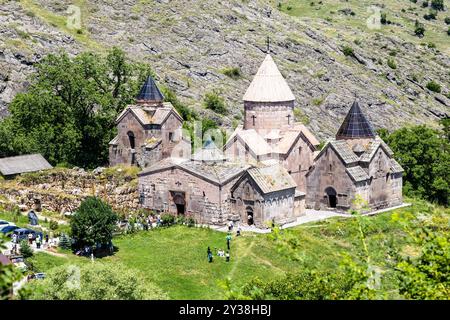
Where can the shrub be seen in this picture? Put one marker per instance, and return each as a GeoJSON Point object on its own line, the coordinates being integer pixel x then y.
{"type": "Point", "coordinates": [25, 249]}
{"type": "Point", "coordinates": [348, 51]}
{"type": "Point", "coordinates": [447, 20]}
{"type": "Point", "coordinates": [53, 225]}
{"type": "Point", "coordinates": [448, 31]}
{"type": "Point", "coordinates": [431, 15]}
{"type": "Point", "coordinates": [437, 4]}
{"type": "Point", "coordinates": [391, 63]}
{"type": "Point", "coordinates": [215, 103]}
{"type": "Point", "coordinates": [96, 282]}
{"type": "Point", "coordinates": [233, 72]}
{"type": "Point", "coordinates": [419, 29]}
{"type": "Point", "coordinates": [190, 222]}
{"type": "Point", "coordinates": [167, 219]}
{"type": "Point", "coordinates": [425, 4]}
{"type": "Point", "coordinates": [434, 86]}
{"type": "Point", "coordinates": [64, 242]}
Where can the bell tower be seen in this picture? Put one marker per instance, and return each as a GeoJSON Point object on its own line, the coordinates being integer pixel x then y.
{"type": "Point", "coordinates": [268, 101]}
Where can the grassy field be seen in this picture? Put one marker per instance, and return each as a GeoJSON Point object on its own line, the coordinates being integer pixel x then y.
{"type": "Point", "coordinates": [174, 258]}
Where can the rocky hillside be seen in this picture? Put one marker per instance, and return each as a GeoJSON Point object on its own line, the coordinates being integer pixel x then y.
{"type": "Point", "coordinates": [330, 51]}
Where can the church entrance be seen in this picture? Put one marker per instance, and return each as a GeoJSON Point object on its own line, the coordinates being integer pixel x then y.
{"type": "Point", "coordinates": [179, 201]}
{"type": "Point", "coordinates": [332, 197]}
{"type": "Point", "coordinates": [249, 211]}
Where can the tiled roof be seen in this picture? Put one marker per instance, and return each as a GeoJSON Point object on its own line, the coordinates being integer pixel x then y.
{"type": "Point", "coordinates": [114, 141]}
{"type": "Point", "coordinates": [150, 91]}
{"type": "Point", "coordinates": [357, 173]}
{"type": "Point", "coordinates": [150, 115]}
{"type": "Point", "coordinates": [395, 166]}
{"type": "Point", "coordinates": [355, 125]}
{"type": "Point", "coordinates": [344, 151]}
{"type": "Point", "coordinates": [22, 164]}
{"type": "Point", "coordinates": [272, 178]}
{"type": "Point", "coordinates": [255, 142]}
{"type": "Point", "coordinates": [268, 85]}
{"type": "Point", "coordinates": [218, 172]}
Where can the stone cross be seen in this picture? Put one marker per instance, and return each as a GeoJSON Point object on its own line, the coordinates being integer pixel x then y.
{"type": "Point", "coordinates": [289, 118]}
{"type": "Point", "coordinates": [253, 117]}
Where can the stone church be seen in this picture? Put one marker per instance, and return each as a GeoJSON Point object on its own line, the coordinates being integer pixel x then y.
{"type": "Point", "coordinates": [270, 168]}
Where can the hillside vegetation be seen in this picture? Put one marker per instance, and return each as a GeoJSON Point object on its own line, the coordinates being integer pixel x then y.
{"type": "Point", "coordinates": [326, 50]}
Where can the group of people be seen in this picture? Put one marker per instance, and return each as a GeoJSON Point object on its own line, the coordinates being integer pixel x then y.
{"type": "Point", "coordinates": [39, 241]}
{"type": "Point", "coordinates": [221, 252]}
{"type": "Point", "coordinates": [145, 223]}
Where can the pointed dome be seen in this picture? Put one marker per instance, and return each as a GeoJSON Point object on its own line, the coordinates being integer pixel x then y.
{"type": "Point", "coordinates": [150, 92]}
{"type": "Point", "coordinates": [268, 85]}
{"type": "Point", "coordinates": [355, 125]}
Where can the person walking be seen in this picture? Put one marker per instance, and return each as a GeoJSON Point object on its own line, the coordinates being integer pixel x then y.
{"type": "Point", "coordinates": [38, 242]}
{"type": "Point", "coordinates": [227, 256]}
{"type": "Point", "coordinates": [228, 240]}
{"type": "Point", "coordinates": [30, 239]}
{"type": "Point", "coordinates": [238, 232]}
{"type": "Point", "coordinates": [210, 255]}
{"type": "Point", "coordinates": [46, 238]}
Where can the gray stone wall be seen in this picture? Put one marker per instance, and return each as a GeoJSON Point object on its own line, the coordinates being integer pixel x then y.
{"type": "Point", "coordinates": [329, 171]}
{"type": "Point", "coordinates": [206, 202]}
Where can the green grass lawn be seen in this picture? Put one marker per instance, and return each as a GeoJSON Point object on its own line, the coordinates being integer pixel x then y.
{"type": "Point", "coordinates": [175, 259]}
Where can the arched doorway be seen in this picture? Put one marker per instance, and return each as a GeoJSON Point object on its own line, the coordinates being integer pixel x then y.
{"type": "Point", "coordinates": [132, 139]}
{"type": "Point", "coordinates": [180, 203]}
{"type": "Point", "coordinates": [249, 212]}
{"type": "Point", "coordinates": [332, 197]}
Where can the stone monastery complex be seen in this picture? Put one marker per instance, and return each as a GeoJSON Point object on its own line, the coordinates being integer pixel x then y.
{"type": "Point", "coordinates": [269, 169]}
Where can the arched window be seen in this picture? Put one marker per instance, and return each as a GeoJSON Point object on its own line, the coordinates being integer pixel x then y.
{"type": "Point", "coordinates": [131, 139]}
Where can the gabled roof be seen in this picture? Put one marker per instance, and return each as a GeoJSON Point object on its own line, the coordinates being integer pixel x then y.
{"type": "Point", "coordinates": [355, 125]}
{"type": "Point", "coordinates": [268, 85]}
{"type": "Point", "coordinates": [372, 149]}
{"type": "Point", "coordinates": [150, 92]}
{"type": "Point", "coordinates": [343, 151]}
{"type": "Point", "coordinates": [357, 174]}
{"type": "Point", "coordinates": [150, 115]}
{"type": "Point", "coordinates": [396, 167]}
{"type": "Point", "coordinates": [218, 173]}
{"type": "Point", "coordinates": [22, 164]}
{"type": "Point", "coordinates": [272, 178]}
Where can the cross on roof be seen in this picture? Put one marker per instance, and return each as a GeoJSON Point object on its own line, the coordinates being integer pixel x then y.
{"type": "Point", "coordinates": [289, 118]}
{"type": "Point", "coordinates": [253, 117]}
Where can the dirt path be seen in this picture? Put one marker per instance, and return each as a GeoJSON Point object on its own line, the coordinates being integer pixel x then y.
{"type": "Point", "coordinates": [246, 252]}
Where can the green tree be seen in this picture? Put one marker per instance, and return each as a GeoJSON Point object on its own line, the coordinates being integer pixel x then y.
{"type": "Point", "coordinates": [93, 223]}
{"type": "Point", "coordinates": [68, 114]}
{"type": "Point", "coordinates": [64, 242]}
{"type": "Point", "coordinates": [424, 154]}
{"type": "Point", "coordinates": [25, 249]}
{"type": "Point", "coordinates": [434, 86]}
{"type": "Point", "coordinates": [91, 282]}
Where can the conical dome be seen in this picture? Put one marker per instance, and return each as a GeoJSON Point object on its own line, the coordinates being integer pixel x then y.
{"type": "Point", "coordinates": [268, 85]}
{"type": "Point", "coordinates": [355, 125]}
{"type": "Point", "coordinates": [150, 92]}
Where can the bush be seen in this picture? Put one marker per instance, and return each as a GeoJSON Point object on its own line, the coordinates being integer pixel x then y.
{"type": "Point", "coordinates": [96, 282]}
{"type": "Point", "coordinates": [191, 222]}
{"type": "Point", "coordinates": [25, 249]}
{"type": "Point", "coordinates": [431, 15]}
{"type": "Point", "coordinates": [437, 4]}
{"type": "Point", "coordinates": [53, 225]}
{"type": "Point", "coordinates": [348, 51]}
{"type": "Point", "coordinates": [419, 29]}
{"type": "Point", "coordinates": [447, 20]}
{"type": "Point", "coordinates": [64, 242]}
{"type": "Point", "coordinates": [167, 219]}
{"type": "Point", "coordinates": [215, 103]}
{"type": "Point", "coordinates": [233, 72]}
{"type": "Point", "coordinates": [434, 86]}
{"type": "Point", "coordinates": [391, 63]}
{"type": "Point", "coordinates": [448, 31]}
